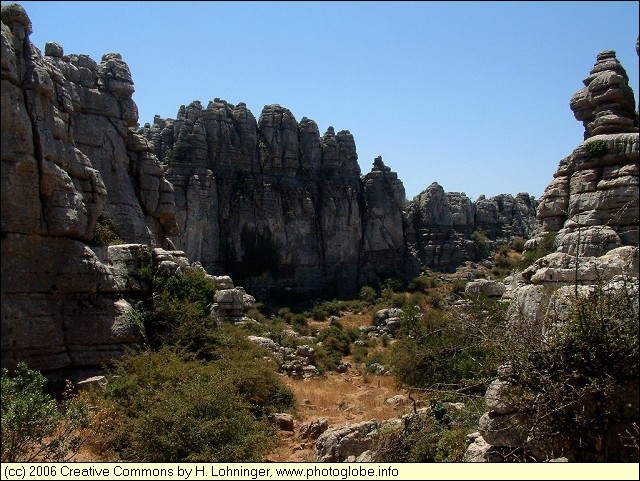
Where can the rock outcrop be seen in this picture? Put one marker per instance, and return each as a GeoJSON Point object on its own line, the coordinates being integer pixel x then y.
{"type": "Point", "coordinates": [593, 199]}
{"type": "Point", "coordinates": [593, 205]}
{"type": "Point", "coordinates": [285, 210]}
{"type": "Point", "coordinates": [278, 206]}
{"type": "Point", "coordinates": [281, 208]}
{"type": "Point", "coordinates": [440, 225]}
{"type": "Point", "coordinates": [69, 154]}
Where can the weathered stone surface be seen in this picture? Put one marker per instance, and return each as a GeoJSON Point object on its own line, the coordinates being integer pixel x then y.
{"type": "Point", "coordinates": [440, 224]}
{"type": "Point", "coordinates": [593, 200]}
{"type": "Point", "coordinates": [337, 444]}
{"type": "Point", "coordinates": [606, 104]}
{"type": "Point", "coordinates": [503, 430]}
{"type": "Point", "coordinates": [283, 421]}
{"type": "Point", "coordinates": [313, 429]}
{"type": "Point", "coordinates": [284, 210]}
{"type": "Point", "coordinates": [484, 287]}
{"type": "Point", "coordinates": [69, 153]}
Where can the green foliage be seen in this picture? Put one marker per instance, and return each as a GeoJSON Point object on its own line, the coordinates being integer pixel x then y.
{"type": "Point", "coordinates": [579, 388]}
{"type": "Point", "coordinates": [597, 148]}
{"type": "Point", "coordinates": [434, 436]}
{"type": "Point", "coordinates": [168, 407]}
{"type": "Point", "coordinates": [368, 294]}
{"type": "Point", "coordinates": [105, 232]}
{"type": "Point", "coordinates": [455, 349]}
{"type": "Point", "coordinates": [177, 312]}
{"type": "Point", "coordinates": [422, 283]}
{"type": "Point", "coordinates": [544, 247]}
{"type": "Point", "coordinates": [181, 149]}
{"type": "Point", "coordinates": [517, 244]}
{"type": "Point", "coordinates": [481, 244]}
{"type": "Point", "coordinates": [394, 284]}
{"type": "Point", "coordinates": [34, 426]}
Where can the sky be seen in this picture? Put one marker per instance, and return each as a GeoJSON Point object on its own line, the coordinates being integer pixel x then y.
{"type": "Point", "coordinates": [472, 95]}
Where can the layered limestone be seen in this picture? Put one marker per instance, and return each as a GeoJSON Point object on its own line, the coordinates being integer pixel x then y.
{"type": "Point", "coordinates": [275, 204]}
{"type": "Point", "coordinates": [285, 210]}
{"type": "Point", "coordinates": [69, 154]}
{"type": "Point", "coordinates": [592, 201]}
{"type": "Point", "coordinates": [440, 225]}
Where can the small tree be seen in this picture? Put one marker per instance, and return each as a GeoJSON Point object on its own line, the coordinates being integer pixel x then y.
{"type": "Point", "coordinates": [34, 426]}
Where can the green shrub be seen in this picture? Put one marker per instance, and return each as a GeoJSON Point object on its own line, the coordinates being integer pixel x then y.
{"type": "Point", "coordinates": [545, 246]}
{"type": "Point", "coordinates": [481, 244]}
{"type": "Point", "coordinates": [34, 426]}
{"type": "Point", "coordinates": [455, 349]}
{"type": "Point", "coordinates": [422, 284]}
{"type": "Point", "coordinates": [517, 244]}
{"type": "Point", "coordinates": [170, 408]}
{"type": "Point", "coordinates": [597, 148]}
{"type": "Point", "coordinates": [368, 294]}
{"type": "Point", "coordinates": [434, 436]}
{"type": "Point", "coordinates": [105, 232]}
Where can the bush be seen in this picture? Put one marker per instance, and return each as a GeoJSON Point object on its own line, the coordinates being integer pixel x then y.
{"type": "Point", "coordinates": [168, 407]}
{"type": "Point", "coordinates": [597, 148]}
{"type": "Point", "coordinates": [177, 311]}
{"type": "Point", "coordinates": [368, 294]}
{"type": "Point", "coordinates": [34, 427]}
{"type": "Point", "coordinates": [579, 389]}
{"type": "Point", "coordinates": [460, 350]}
{"type": "Point", "coordinates": [105, 232]}
{"type": "Point", "coordinates": [481, 244]}
{"type": "Point", "coordinates": [426, 437]}
{"type": "Point", "coordinates": [544, 247]}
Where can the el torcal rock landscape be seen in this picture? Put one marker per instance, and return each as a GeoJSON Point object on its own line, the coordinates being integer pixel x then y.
{"type": "Point", "coordinates": [314, 312]}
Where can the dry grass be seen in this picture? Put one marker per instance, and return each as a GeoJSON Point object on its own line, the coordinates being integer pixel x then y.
{"type": "Point", "coordinates": [351, 397]}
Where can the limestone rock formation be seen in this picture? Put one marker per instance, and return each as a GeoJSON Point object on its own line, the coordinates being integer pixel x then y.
{"type": "Point", "coordinates": [439, 224]}
{"type": "Point", "coordinates": [593, 198]}
{"type": "Point", "coordinates": [276, 205]}
{"type": "Point", "coordinates": [593, 205]}
{"type": "Point", "coordinates": [337, 444]}
{"type": "Point", "coordinates": [69, 154]}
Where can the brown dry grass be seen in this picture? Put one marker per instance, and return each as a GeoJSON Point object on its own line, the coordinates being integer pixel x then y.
{"type": "Point", "coordinates": [351, 397]}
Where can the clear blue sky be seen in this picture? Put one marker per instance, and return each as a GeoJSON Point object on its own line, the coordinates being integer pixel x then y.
{"type": "Point", "coordinates": [472, 95]}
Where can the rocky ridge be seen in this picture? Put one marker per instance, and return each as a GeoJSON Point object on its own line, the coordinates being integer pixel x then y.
{"type": "Point", "coordinates": [283, 209]}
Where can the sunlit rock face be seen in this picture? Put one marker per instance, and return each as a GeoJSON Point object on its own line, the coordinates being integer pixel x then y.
{"type": "Point", "coordinates": [69, 154]}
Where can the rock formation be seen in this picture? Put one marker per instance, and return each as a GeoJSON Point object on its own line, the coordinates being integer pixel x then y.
{"type": "Point", "coordinates": [271, 202]}
{"type": "Point", "coordinates": [593, 198]}
{"type": "Point", "coordinates": [440, 225]}
{"type": "Point", "coordinates": [592, 203]}
{"type": "Point", "coordinates": [69, 154]}
{"type": "Point", "coordinates": [284, 210]}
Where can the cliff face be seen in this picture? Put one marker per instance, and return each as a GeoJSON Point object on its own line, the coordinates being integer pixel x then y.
{"type": "Point", "coordinates": [69, 153]}
{"type": "Point", "coordinates": [280, 207]}
{"type": "Point", "coordinates": [283, 209]}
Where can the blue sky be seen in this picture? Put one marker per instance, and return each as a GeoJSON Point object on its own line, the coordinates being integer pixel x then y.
{"type": "Point", "coordinates": [472, 95]}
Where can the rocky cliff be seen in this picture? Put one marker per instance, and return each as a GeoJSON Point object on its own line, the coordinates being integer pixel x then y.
{"type": "Point", "coordinates": [283, 209]}
{"type": "Point", "coordinates": [592, 201]}
{"type": "Point", "coordinates": [69, 154]}
{"type": "Point", "coordinates": [592, 204]}
{"type": "Point", "coordinates": [440, 225]}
